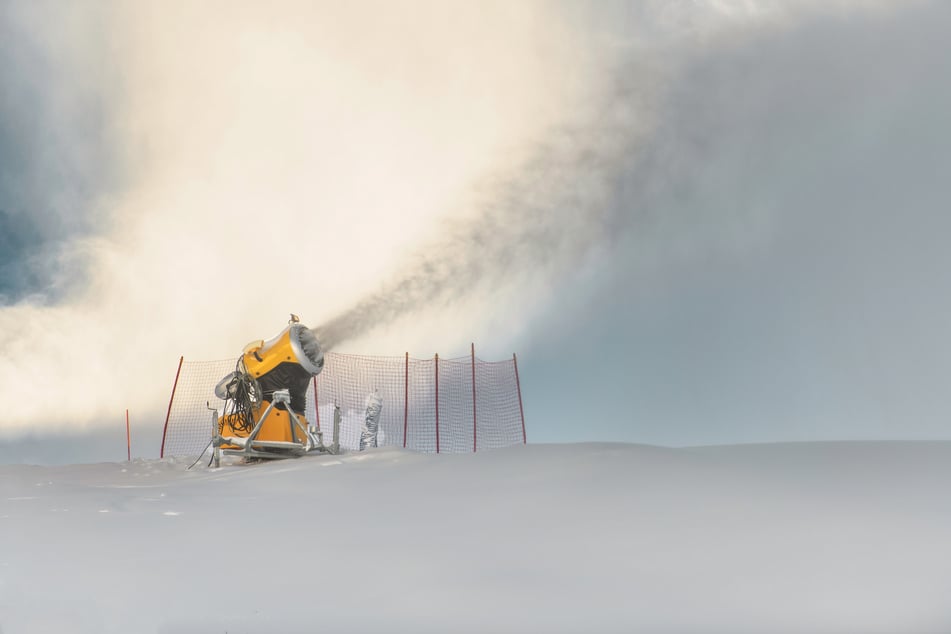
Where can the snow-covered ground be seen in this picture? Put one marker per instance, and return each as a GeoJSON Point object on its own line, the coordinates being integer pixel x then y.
{"type": "Point", "coordinates": [818, 537]}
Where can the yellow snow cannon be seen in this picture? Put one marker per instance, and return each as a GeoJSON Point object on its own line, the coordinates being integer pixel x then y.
{"type": "Point", "coordinates": [265, 398]}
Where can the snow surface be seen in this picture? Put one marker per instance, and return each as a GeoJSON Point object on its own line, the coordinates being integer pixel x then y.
{"type": "Point", "coordinates": [816, 537]}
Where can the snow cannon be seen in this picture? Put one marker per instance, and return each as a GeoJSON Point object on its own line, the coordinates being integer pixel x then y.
{"type": "Point", "coordinates": [266, 395]}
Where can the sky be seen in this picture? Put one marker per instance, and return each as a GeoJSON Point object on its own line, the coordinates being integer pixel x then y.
{"type": "Point", "coordinates": [703, 222]}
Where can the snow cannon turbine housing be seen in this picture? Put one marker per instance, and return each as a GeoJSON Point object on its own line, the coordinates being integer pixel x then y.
{"type": "Point", "coordinates": [288, 361]}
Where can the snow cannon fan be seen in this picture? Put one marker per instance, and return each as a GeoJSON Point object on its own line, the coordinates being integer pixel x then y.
{"type": "Point", "coordinates": [266, 395]}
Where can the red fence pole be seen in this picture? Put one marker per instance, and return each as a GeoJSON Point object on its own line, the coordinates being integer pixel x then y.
{"type": "Point", "coordinates": [473, 401]}
{"type": "Point", "coordinates": [437, 402]}
{"type": "Point", "coordinates": [170, 400]}
{"type": "Point", "coordinates": [521, 411]}
{"type": "Point", "coordinates": [406, 401]}
{"type": "Point", "coordinates": [316, 406]}
{"type": "Point", "coordinates": [128, 437]}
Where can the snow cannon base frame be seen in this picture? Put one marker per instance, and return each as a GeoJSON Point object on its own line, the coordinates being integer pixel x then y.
{"type": "Point", "coordinates": [303, 438]}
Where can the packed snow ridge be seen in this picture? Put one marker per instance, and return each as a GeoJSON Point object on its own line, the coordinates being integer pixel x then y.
{"type": "Point", "coordinates": [813, 537]}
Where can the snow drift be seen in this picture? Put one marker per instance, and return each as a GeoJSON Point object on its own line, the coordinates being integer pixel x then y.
{"type": "Point", "coordinates": [818, 537]}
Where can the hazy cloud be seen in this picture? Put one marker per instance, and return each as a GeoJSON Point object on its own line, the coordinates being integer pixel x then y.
{"type": "Point", "coordinates": [56, 149]}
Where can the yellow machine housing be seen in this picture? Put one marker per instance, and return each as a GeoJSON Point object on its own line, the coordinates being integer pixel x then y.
{"type": "Point", "coordinates": [277, 426]}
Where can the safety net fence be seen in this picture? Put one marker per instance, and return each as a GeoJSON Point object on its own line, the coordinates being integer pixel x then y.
{"type": "Point", "coordinates": [430, 405]}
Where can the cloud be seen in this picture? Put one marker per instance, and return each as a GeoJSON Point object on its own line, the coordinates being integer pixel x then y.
{"type": "Point", "coordinates": [55, 144]}
{"type": "Point", "coordinates": [791, 286]}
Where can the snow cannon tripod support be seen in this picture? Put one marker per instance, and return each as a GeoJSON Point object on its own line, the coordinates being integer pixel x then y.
{"type": "Point", "coordinates": [264, 398]}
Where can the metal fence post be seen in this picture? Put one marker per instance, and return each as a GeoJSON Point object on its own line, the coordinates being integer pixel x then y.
{"type": "Point", "coordinates": [473, 401]}
{"type": "Point", "coordinates": [170, 400]}
{"type": "Point", "coordinates": [437, 402]}
{"type": "Point", "coordinates": [521, 411]}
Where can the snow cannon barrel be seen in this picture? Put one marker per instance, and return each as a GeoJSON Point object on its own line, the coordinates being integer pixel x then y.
{"type": "Point", "coordinates": [288, 361]}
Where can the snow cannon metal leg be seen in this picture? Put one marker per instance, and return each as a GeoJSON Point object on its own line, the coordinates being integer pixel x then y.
{"type": "Point", "coordinates": [336, 446]}
{"type": "Point", "coordinates": [216, 448]}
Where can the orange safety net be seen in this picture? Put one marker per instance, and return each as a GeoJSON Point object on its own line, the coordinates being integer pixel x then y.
{"type": "Point", "coordinates": [430, 405]}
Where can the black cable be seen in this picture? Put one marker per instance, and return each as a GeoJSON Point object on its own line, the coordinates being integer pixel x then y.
{"type": "Point", "coordinates": [202, 454]}
{"type": "Point", "coordinates": [242, 393]}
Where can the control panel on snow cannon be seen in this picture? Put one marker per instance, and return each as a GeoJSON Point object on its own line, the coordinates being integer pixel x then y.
{"type": "Point", "coordinates": [265, 397]}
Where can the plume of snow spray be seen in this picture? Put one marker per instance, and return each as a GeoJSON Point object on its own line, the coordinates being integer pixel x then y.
{"type": "Point", "coordinates": [542, 216]}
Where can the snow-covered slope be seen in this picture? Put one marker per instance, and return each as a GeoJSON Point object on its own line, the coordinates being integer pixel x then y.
{"type": "Point", "coordinates": [827, 537]}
